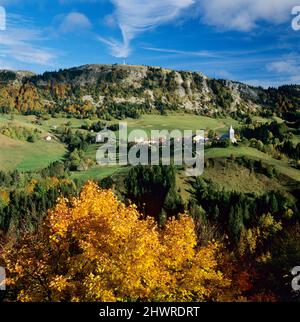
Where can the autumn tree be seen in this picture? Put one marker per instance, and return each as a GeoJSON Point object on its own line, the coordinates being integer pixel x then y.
{"type": "Point", "coordinates": [94, 248]}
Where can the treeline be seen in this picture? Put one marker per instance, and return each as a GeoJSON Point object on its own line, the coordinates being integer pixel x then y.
{"type": "Point", "coordinates": [25, 210]}
{"type": "Point", "coordinates": [7, 75]}
{"type": "Point", "coordinates": [153, 190]}
{"type": "Point", "coordinates": [272, 137]}
{"type": "Point", "coordinates": [124, 110]}
{"type": "Point", "coordinates": [266, 132]}
{"type": "Point", "coordinates": [290, 149]}
{"type": "Point", "coordinates": [77, 143]}
{"type": "Point", "coordinates": [114, 74]}
{"type": "Point", "coordinates": [237, 211]}
{"type": "Point", "coordinates": [99, 91]}
{"type": "Point", "coordinates": [20, 133]}
{"type": "Point", "coordinates": [282, 99]}
{"type": "Point", "coordinates": [75, 140]}
{"type": "Point", "coordinates": [26, 197]}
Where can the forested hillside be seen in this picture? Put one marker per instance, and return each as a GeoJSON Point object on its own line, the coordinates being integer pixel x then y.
{"type": "Point", "coordinates": [128, 91]}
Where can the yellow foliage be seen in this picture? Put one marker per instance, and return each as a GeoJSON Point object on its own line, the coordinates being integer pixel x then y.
{"type": "Point", "coordinates": [29, 98]}
{"type": "Point", "coordinates": [269, 225]}
{"type": "Point", "coordinates": [8, 95]}
{"type": "Point", "coordinates": [47, 183]}
{"type": "Point", "coordinates": [264, 258]}
{"type": "Point", "coordinates": [4, 197]}
{"type": "Point", "coordinates": [288, 214]}
{"type": "Point", "coordinates": [94, 248]}
{"type": "Point", "coordinates": [251, 238]}
{"type": "Point", "coordinates": [31, 185]}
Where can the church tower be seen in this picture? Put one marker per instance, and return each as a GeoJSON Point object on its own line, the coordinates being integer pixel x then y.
{"type": "Point", "coordinates": [231, 135]}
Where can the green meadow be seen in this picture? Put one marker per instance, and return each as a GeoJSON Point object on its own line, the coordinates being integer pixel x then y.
{"type": "Point", "coordinates": [181, 122]}
{"type": "Point", "coordinates": [98, 173]}
{"type": "Point", "coordinates": [281, 166]}
{"type": "Point", "coordinates": [25, 156]}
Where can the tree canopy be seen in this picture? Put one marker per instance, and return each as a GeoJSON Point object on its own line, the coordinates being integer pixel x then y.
{"type": "Point", "coordinates": [94, 248]}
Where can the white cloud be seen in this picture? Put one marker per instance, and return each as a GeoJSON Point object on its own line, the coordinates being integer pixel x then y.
{"type": "Point", "coordinates": [137, 16]}
{"type": "Point", "coordinates": [200, 53]}
{"type": "Point", "coordinates": [244, 15]}
{"type": "Point", "coordinates": [20, 42]}
{"type": "Point", "coordinates": [118, 49]}
{"type": "Point", "coordinates": [287, 66]}
{"type": "Point", "coordinates": [75, 21]}
{"type": "Point", "coordinates": [284, 71]}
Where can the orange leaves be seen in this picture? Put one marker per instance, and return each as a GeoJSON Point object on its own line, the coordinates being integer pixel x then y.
{"type": "Point", "coordinates": [243, 281]}
{"type": "Point", "coordinates": [94, 248]}
{"type": "Point", "coordinates": [29, 98]}
{"type": "Point", "coordinates": [8, 94]}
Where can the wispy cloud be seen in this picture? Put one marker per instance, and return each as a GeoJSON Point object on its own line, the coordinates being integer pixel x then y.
{"type": "Point", "coordinates": [20, 42]}
{"type": "Point", "coordinates": [201, 53]}
{"type": "Point", "coordinates": [284, 70]}
{"type": "Point", "coordinates": [134, 17]}
{"type": "Point", "coordinates": [137, 16]}
{"type": "Point", "coordinates": [287, 67]}
{"type": "Point", "coordinates": [118, 49]}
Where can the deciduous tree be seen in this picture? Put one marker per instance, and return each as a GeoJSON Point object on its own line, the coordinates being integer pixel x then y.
{"type": "Point", "coordinates": [94, 248]}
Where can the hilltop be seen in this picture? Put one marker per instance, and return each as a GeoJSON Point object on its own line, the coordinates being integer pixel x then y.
{"type": "Point", "coordinates": [123, 90]}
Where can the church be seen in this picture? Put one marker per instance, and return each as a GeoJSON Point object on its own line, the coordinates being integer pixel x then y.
{"type": "Point", "coordinates": [229, 135]}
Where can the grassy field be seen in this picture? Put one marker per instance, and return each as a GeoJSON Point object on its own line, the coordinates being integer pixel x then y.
{"type": "Point", "coordinates": [230, 177]}
{"type": "Point", "coordinates": [146, 122]}
{"type": "Point", "coordinates": [45, 125]}
{"type": "Point", "coordinates": [234, 177]}
{"type": "Point", "coordinates": [280, 165]}
{"type": "Point", "coordinates": [261, 119]}
{"type": "Point", "coordinates": [26, 156]}
{"type": "Point", "coordinates": [181, 122]}
{"type": "Point", "coordinates": [56, 122]}
{"type": "Point", "coordinates": [21, 121]}
{"type": "Point", "coordinates": [98, 173]}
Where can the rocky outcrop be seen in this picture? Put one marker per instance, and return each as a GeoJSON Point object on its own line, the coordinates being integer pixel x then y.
{"type": "Point", "coordinates": [153, 87]}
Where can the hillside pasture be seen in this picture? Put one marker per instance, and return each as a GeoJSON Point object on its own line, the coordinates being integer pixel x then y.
{"type": "Point", "coordinates": [281, 166]}
{"type": "Point", "coordinates": [25, 156]}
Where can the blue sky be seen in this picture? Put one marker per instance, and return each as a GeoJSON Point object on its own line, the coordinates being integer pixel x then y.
{"type": "Point", "coordinates": [246, 40]}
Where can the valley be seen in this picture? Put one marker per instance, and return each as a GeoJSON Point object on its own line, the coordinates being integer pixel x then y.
{"type": "Point", "coordinates": [246, 200]}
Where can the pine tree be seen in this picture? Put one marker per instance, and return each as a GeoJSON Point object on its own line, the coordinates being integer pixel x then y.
{"type": "Point", "coordinates": [273, 203]}
{"type": "Point", "coordinates": [215, 213]}
{"type": "Point", "coordinates": [235, 223]}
